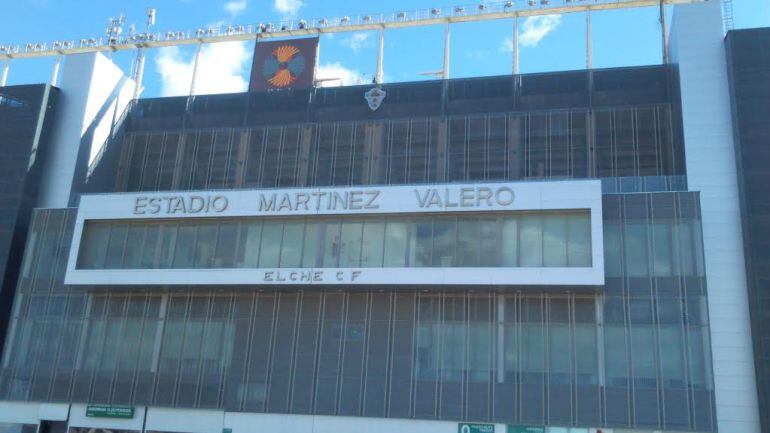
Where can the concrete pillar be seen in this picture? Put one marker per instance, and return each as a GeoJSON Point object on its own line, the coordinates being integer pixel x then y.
{"type": "Point", "coordinates": [697, 46]}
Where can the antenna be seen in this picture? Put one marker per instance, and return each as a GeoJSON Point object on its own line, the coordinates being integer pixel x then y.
{"type": "Point", "coordinates": [727, 10]}
{"type": "Point", "coordinates": [140, 53]}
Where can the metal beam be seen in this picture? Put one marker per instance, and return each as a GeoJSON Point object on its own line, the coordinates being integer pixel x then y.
{"type": "Point", "coordinates": [445, 69]}
{"type": "Point", "coordinates": [589, 47]}
{"type": "Point", "coordinates": [195, 69]}
{"type": "Point", "coordinates": [446, 15]}
{"type": "Point", "coordinates": [4, 75]}
{"type": "Point", "coordinates": [55, 73]}
{"type": "Point", "coordinates": [139, 72]}
{"type": "Point", "coordinates": [664, 32]}
{"type": "Point", "coordinates": [515, 45]}
{"type": "Point", "coordinates": [380, 49]}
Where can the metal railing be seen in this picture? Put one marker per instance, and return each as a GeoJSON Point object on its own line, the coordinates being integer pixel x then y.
{"type": "Point", "coordinates": [345, 23]}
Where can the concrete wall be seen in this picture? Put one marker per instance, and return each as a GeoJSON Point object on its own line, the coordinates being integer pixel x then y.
{"type": "Point", "coordinates": [94, 92]}
{"type": "Point", "coordinates": [697, 45]}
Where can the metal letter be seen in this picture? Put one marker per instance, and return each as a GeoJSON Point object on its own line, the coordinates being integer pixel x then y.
{"type": "Point", "coordinates": [372, 197]}
{"type": "Point", "coordinates": [138, 206]}
{"type": "Point", "coordinates": [422, 201]}
{"type": "Point", "coordinates": [266, 206]}
{"type": "Point", "coordinates": [196, 200]}
{"type": "Point", "coordinates": [224, 202]}
{"type": "Point", "coordinates": [499, 199]}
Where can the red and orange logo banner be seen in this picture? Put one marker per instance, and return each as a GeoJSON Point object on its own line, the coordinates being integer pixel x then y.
{"type": "Point", "coordinates": [287, 64]}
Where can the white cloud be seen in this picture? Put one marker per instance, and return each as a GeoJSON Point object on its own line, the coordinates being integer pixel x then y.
{"type": "Point", "coordinates": [342, 76]}
{"type": "Point", "coordinates": [235, 7]}
{"type": "Point", "coordinates": [478, 55]}
{"type": "Point", "coordinates": [533, 30]}
{"type": "Point", "coordinates": [221, 69]}
{"type": "Point", "coordinates": [288, 7]}
{"type": "Point", "coordinates": [357, 41]}
{"type": "Point", "coordinates": [507, 45]}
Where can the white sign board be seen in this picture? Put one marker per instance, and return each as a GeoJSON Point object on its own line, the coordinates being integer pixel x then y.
{"type": "Point", "coordinates": [445, 198]}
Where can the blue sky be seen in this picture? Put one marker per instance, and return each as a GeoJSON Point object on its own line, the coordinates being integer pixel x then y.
{"type": "Point", "coordinates": [620, 38]}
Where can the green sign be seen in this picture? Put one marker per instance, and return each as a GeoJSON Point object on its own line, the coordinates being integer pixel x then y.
{"type": "Point", "coordinates": [109, 411]}
{"type": "Point", "coordinates": [525, 429]}
{"type": "Point", "coordinates": [227, 430]}
{"type": "Point", "coordinates": [475, 428]}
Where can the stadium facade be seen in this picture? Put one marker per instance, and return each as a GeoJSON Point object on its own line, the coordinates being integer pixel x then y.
{"type": "Point", "coordinates": [568, 252]}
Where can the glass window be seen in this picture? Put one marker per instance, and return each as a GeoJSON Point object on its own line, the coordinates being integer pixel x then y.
{"type": "Point", "coordinates": [615, 359]}
{"type": "Point", "coordinates": [686, 249]}
{"type": "Point", "coordinates": [227, 241]}
{"type": "Point", "coordinates": [554, 241]}
{"type": "Point", "coordinates": [396, 234]}
{"type": "Point", "coordinates": [699, 355]}
{"type": "Point", "coordinates": [672, 355]}
{"type": "Point", "coordinates": [531, 238]}
{"type": "Point", "coordinates": [579, 241]}
{"type": "Point", "coordinates": [466, 240]}
{"type": "Point", "coordinates": [444, 234]}
{"type": "Point", "coordinates": [132, 258]}
{"type": "Point", "coordinates": [269, 252]}
{"type": "Point", "coordinates": [310, 249]}
{"type": "Point", "coordinates": [373, 244]}
{"type": "Point", "coordinates": [184, 249]}
{"type": "Point", "coordinates": [291, 248]}
{"type": "Point", "coordinates": [95, 430]}
{"type": "Point", "coordinates": [115, 246]}
{"type": "Point", "coordinates": [18, 428]}
{"type": "Point", "coordinates": [205, 243]}
{"type": "Point", "coordinates": [533, 341]}
{"type": "Point", "coordinates": [248, 247]}
{"type": "Point", "coordinates": [150, 249]}
{"type": "Point", "coordinates": [93, 247]}
{"type": "Point", "coordinates": [510, 242]}
{"type": "Point", "coordinates": [489, 239]}
{"type": "Point", "coordinates": [662, 259]}
{"type": "Point", "coordinates": [167, 241]}
{"type": "Point", "coordinates": [331, 244]}
{"type": "Point", "coordinates": [643, 355]}
{"type": "Point", "coordinates": [613, 249]}
{"type": "Point", "coordinates": [421, 242]}
{"type": "Point", "coordinates": [636, 249]}
{"type": "Point", "coordinates": [560, 343]}
{"type": "Point", "coordinates": [350, 243]}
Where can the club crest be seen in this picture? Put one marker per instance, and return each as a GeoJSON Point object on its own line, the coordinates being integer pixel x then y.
{"type": "Point", "coordinates": [374, 98]}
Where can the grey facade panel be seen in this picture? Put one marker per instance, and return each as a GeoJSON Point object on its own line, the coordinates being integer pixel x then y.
{"type": "Point", "coordinates": [636, 355]}
{"type": "Point", "coordinates": [748, 60]}
{"type": "Point", "coordinates": [555, 144]}
{"type": "Point", "coordinates": [26, 116]}
{"type": "Point", "coordinates": [618, 122]}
